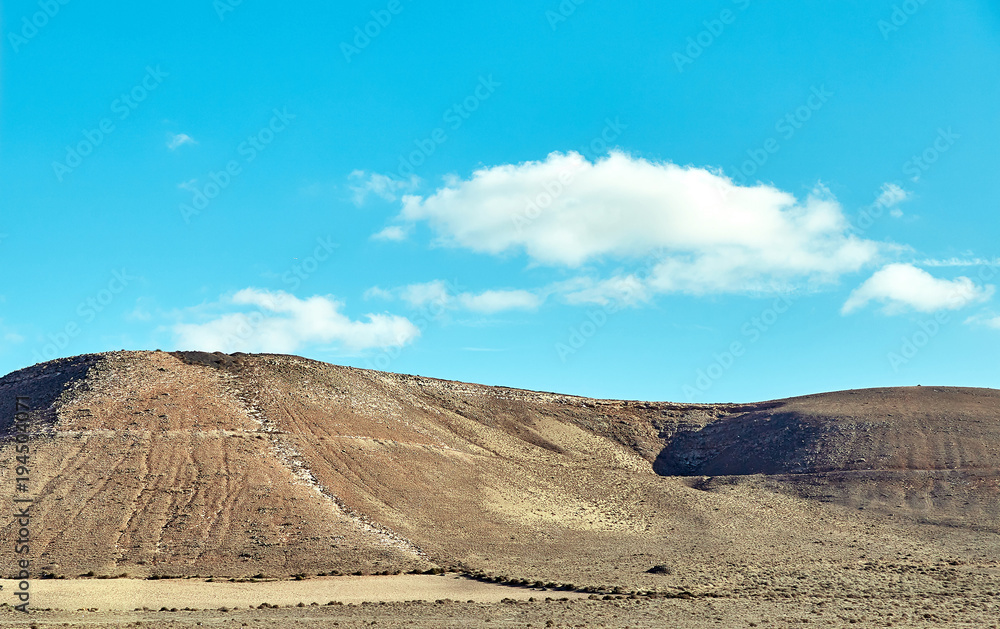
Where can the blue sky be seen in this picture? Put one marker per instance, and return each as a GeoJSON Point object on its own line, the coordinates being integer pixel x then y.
{"type": "Point", "coordinates": [713, 201]}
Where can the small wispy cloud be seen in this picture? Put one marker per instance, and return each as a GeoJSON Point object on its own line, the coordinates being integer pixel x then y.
{"type": "Point", "coordinates": [9, 334]}
{"type": "Point", "coordinates": [141, 312]}
{"type": "Point", "coordinates": [960, 262]}
{"type": "Point", "coordinates": [891, 194]}
{"type": "Point", "coordinates": [364, 183]}
{"type": "Point", "coordinates": [492, 301]}
{"type": "Point", "coordinates": [446, 296]}
{"type": "Point", "coordinates": [377, 293]}
{"type": "Point", "coordinates": [177, 140]}
{"type": "Point", "coordinates": [625, 290]}
{"type": "Point", "coordinates": [989, 320]}
{"type": "Point", "coordinates": [392, 233]}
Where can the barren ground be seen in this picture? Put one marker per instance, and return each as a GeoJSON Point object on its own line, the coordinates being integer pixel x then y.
{"type": "Point", "coordinates": [775, 613]}
{"type": "Point", "coordinates": [153, 464]}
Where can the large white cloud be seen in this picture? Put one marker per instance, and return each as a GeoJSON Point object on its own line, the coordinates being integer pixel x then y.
{"type": "Point", "coordinates": [706, 233]}
{"type": "Point", "coordinates": [275, 321]}
{"type": "Point", "coordinates": [903, 286]}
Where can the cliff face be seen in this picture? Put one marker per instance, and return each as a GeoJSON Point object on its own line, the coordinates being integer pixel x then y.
{"type": "Point", "coordinates": [193, 463]}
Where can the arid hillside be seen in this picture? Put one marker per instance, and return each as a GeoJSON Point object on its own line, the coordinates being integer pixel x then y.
{"type": "Point", "coordinates": [153, 463]}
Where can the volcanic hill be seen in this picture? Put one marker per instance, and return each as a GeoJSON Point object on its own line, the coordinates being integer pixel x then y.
{"type": "Point", "coordinates": [189, 463]}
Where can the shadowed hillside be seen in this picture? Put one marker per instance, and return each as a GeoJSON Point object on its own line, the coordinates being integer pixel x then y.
{"type": "Point", "coordinates": [913, 428]}
{"type": "Point", "coordinates": [153, 463]}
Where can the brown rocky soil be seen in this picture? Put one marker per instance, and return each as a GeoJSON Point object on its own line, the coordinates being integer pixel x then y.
{"type": "Point", "coordinates": [183, 464]}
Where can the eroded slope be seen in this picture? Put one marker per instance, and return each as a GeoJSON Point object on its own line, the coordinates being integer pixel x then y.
{"type": "Point", "coordinates": [193, 463]}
